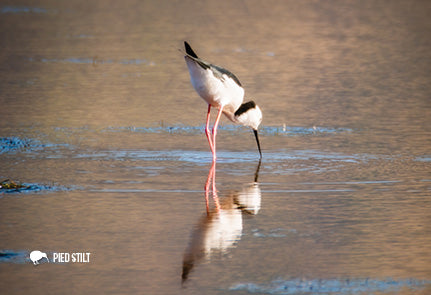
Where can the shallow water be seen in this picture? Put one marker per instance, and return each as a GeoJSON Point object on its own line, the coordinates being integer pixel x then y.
{"type": "Point", "coordinates": [99, 120]}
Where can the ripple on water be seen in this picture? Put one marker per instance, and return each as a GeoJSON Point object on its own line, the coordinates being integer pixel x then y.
{"type": "Point", "coordinates": [17, 144]}
{"type": "Point", "coordinates": [93, 60]}
{"type": "Point", "coordinates": [35, 188]}
{"type": "Point", "coordinates": [263, 130]}
{"type": "Point", "coordinates": [24, 9]}
{"type": "Point", "coordinates": [13, 144]}
{"type": "Point", "coordinates": [330, 286]}
{"type": "Point", "coordinates": [202, 157]}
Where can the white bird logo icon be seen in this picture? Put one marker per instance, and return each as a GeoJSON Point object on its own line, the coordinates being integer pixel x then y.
{"type": "Point", "coordinates": [36, 256]}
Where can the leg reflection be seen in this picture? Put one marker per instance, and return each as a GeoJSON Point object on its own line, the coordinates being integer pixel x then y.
{"type": "Point", "coordinates": [220, 228]}
{"type": "Point", "coordinates": [211, 180]}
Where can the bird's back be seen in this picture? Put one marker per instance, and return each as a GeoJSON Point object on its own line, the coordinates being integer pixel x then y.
{"type": "Point", "coordinates": [216, 85]}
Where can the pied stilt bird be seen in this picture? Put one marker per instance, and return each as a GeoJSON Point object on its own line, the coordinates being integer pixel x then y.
{"type": "Point", "coordinates": [221, 89]}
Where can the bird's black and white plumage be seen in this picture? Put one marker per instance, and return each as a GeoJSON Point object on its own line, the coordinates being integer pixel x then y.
{"type": "Point", "coordinates": [223, 90]}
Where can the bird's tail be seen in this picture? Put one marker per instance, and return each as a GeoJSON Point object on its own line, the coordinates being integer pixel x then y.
{"type": "Point", "coordinates": [189, 50]}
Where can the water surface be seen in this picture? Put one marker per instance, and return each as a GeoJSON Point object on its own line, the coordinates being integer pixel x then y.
{"type": "Point", "coordinates": [100, 122]}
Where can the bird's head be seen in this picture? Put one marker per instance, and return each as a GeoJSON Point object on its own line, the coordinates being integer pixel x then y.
{"type": "Point", "coordinates": [249, 114]}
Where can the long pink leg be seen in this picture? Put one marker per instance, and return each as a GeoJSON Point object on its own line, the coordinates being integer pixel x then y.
{"type": "Point", "coordinates": [207, 130]}
{"type": "Point", "coordinates": [212, 143]}
{"type": "Point", "coordinates": [215, 132]}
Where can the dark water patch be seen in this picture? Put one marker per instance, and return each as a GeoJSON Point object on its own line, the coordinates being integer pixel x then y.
{"type": "Point", "coordinates": [11, 256]}
{"type": "Point", "coordinates": [25, 9]}
{"type": "Point", "coordinates": [330, 286]}
{"type": "Point", "coordinates": [15, 144]}
{"type": "Point", "coordinates": [33, 188]}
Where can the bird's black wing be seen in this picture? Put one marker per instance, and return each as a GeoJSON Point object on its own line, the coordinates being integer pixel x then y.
{"type": "Point", "coordinates": [219, 72]}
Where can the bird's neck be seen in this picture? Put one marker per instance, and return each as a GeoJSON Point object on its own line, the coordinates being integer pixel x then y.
{"type": "Point", "coordinates": [229, 112]}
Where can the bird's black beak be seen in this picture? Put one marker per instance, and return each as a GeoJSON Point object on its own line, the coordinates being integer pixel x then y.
{"type": "Point", "coordinates": [258, 143]}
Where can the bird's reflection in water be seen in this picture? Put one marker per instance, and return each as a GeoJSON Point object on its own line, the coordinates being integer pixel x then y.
{"type": "Point", "coordinates": [220, 228]}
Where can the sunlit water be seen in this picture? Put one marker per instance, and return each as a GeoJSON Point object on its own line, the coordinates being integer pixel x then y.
{"type": "Point", "coordinates": [100, 123]}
